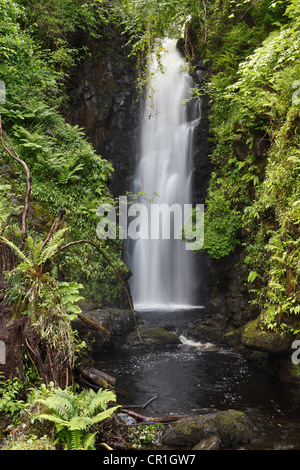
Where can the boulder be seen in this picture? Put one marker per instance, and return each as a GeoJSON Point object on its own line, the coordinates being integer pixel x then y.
{"type": "Point", "coordinates": [103, 327]}
{"type": "Point", "coordinates": [157, 337]}
{"type": "Point", "coordinates": [255, 337]}
{"type": "Point", "coordinates": [231, 427]}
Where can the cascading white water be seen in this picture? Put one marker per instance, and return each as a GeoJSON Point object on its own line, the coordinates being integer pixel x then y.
{"type": "Point", "coordinates": [163, 270]}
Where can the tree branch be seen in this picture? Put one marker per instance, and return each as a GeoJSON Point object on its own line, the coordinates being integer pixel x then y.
{"type": "Point", "coordinates": [54, 227]}
{"type": "Point", "coordinates": [113, 267]}
{"type": "Point", "coordinates": [13, 154]}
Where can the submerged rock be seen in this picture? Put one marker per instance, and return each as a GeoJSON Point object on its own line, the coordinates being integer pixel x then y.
{"type": "Point", "coordinates": [231, 427]}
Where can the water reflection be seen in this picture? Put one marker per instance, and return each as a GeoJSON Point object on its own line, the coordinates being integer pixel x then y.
{"type": "Point", "coordinates": [189, 380]}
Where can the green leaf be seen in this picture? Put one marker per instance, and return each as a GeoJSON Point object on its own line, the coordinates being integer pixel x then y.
{"type": "Point", "coordinates": [252, 276]}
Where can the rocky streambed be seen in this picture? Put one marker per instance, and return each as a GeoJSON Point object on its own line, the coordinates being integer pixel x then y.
{"type": "Point", "coordinates": [224, 400]}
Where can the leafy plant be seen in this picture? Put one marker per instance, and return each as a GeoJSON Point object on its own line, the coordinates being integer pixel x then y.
{"type": "Point", "coordinates": [253, 196]}
{"type": "Point", "coordinates": [75, 414]}
{"type": "Point", "coordinates": [64, 166]}
{"type": "Point", "coordinates": [144, 435]}
{"type": "Point", "coordinates": [11, 391]}
{"type": "Point", "coordinates": [35, 292]}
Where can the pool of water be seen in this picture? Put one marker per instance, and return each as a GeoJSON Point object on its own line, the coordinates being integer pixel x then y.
{"type": "Point", "coordinates": [188, 379]}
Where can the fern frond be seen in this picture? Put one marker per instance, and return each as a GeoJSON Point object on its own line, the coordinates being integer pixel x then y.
{"type": "Point", "coordinates": [70, 296]}
{"type": "Point", "coordinates": [61, 403]}
{"type": "Point", "coordinates": [104, 414]}
{"type": "Point", "coordinates": [54, 419]}
{"type": "Point", "coordinates": [76, 440]}
{"type": "Point", "coordinates": [97, 401]}
{"type": "Point", "coordinates": [36, 251]}
{"type": "Point", "coordinates": [88, 441]}
{"type": "Point", "coordinates": [67, 174]}
{"type": "Point", "coordinates": [17, 250]}
{"type": "Point", "coordinates": [73, 427]}
{"type": "Point", "coordinates": [79, 423]}
{"type": "Point", "coordinates": [52, 246]}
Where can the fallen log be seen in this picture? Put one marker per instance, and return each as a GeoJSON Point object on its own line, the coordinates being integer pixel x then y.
{"type": "Point", "coordinates": [101, 379]}
{"type": "Point", "coordinates": [96, 381]}
{"type": "Point", "coordinates": [92, 324]}
{"type": "Point", "coordinates": [92, 371]}
{"type": "Point", "coordinates": [150, 419]}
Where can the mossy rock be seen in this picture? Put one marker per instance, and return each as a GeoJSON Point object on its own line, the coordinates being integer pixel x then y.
{"type": "Point", "coordinates": [231, 427]}
{"type": "Point", "coordinates": [232, 337]}
{"type": "Point", "coordinates": [157, 337]}
{"type": "Point", "coordinates": [255, 337]}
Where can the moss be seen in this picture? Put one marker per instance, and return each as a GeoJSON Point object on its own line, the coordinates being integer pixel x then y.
{"type": "Point", "coordinates": [233, 337]}
{"type": "Point", "coordinates": [28, 433]}
{"type": "Point", "coordinates": [41, 219]}
{"type": "Point", "coordinates": [29, 443]}
{"type": "Point", "coordinates": [154, 337]}
{"type": "Point", "coordinates": [232, 427]}
{"type": "Point", "coordinates": [255, 337]}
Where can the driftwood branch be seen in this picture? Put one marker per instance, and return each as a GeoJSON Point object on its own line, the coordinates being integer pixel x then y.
{"type": "Point", "coordinates": [144, 406]}
{"type": "Point", "coordinates": [13, 154]}
{"type": "Point", "coordinates": [113, 267]}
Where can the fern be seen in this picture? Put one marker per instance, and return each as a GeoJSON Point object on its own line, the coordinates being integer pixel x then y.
{"type": "Point", "coordinates": [70, 297]}
{"type": "Point", "coordinates": [73, 415]}
{"type": "Point", "coordinates": [16, 249]}
{"type": "Point", "coordinates": [17, 288]}
{"type": "Point", "coordinates": [50, 305]}
{"type": "Point", "coordinates": [51, 246]}
{"type": "Point", "coordinates": [37, 253]}
{"type": "Point", "coordinates": [61, 404]}
{"type": "Point", "coordinates": [76, 440]}
{"type": "Point", "coordinates": [98, 402]}
{"type": "Point", "coordinates": [88, 441]}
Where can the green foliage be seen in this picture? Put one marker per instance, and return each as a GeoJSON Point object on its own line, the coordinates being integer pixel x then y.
{"type": "Point", "coordinates": [58, 25]}
{"type": "Point", "coordinates": [5, 204]}
{"type": "Point", "coordinates": [65, 169]}
{"type": "Point", "coordinates": [74, 414]}
{"type": "Point", "coordinates": [51, 305]}
{"type": "Point", "coordinates": [141, 436]}
{"type": "Point", "coordinates": [11, 402]}
{"type": "Point", "coordinates": [254, 101]}
{"type": "Point", "coordinates": [221, 224]}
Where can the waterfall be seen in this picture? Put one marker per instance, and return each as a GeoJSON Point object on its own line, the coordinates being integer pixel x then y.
{"type": "Point", "coordinates": [163, 269]}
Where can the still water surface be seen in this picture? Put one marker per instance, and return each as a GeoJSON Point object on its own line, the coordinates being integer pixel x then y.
{"type": "Point", "coordinates": [189, 379]}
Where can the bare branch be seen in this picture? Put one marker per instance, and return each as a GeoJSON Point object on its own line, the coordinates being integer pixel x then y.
{"type": "Point", "coordinates": [13, 154]}
{"type": "Point", "coordinates": [54, 227]}
{"type": "Point", "coordinates": [113, 267]}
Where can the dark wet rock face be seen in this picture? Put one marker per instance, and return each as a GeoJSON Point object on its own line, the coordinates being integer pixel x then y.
{"type": "Point", "coordinates": [103, 101]}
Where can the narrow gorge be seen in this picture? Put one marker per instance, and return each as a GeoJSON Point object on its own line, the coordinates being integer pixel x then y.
{"type": "Point", "coordinates": [172, 108]}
